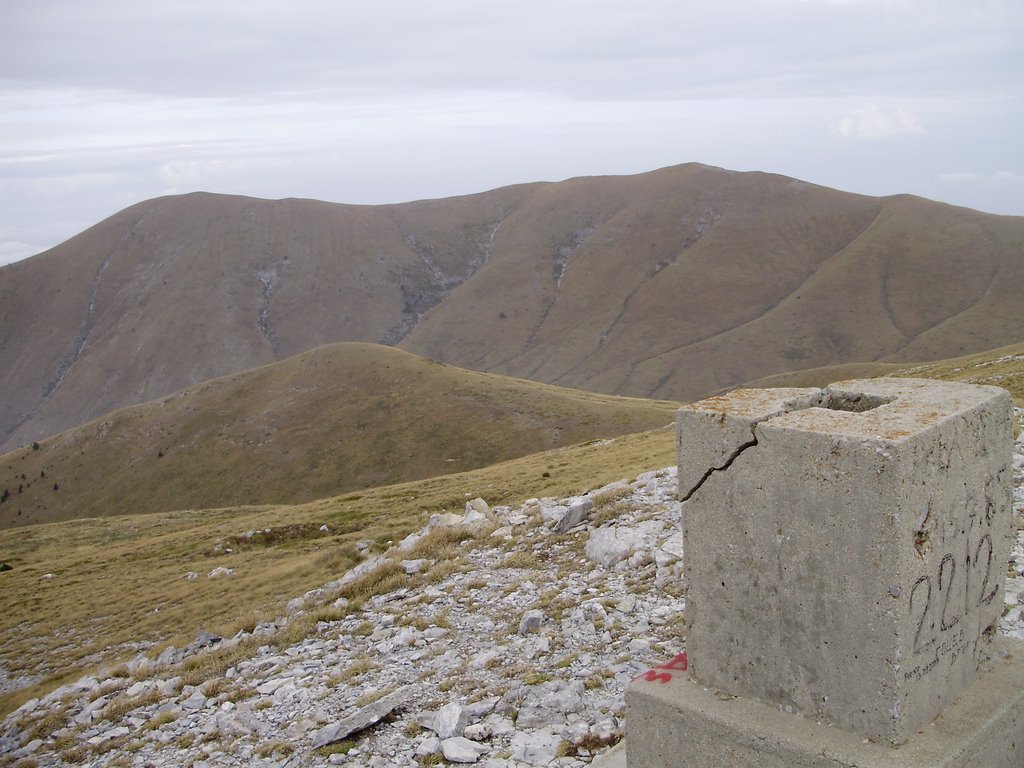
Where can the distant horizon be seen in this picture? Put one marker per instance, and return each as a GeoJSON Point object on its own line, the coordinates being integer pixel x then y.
{"type": "Point", "coordinates": [103, 106]}
{"type": "Point", "coordinates": [15, 259]}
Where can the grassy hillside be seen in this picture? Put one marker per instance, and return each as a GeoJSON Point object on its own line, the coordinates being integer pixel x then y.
{"type": "Point", "coordinates": [1002, 367]}
{"type": "Point", "coordinates": [118, 583]}
{"type": "Point", "coordinates": [339, 418]}
{"type": "Point", "coordinates": [708, 279]}
{"type": "Point", "coordinates": [178, 290]}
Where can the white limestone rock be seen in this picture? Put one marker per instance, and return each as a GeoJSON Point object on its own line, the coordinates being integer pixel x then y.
{"type": "Point", "coordinates": [409, 542]}
{"type": "Point", "coordinates": [459, 749]}
{"type": "Point", "coordinates": [480, 506]}
{"type": "Point", "coordinates": [444, 520]}
{"type": "Point", "coordinates": [363, 718]}
{"type": "Point", "coordinates": [578, 511]}
{"type": "Point", "coordinates": [610, 545]}
{"type": "Point", "coordinates": [411, 567]}
{"type": "Point", "coordinates": [536, 748]}
{"type": "Point", "coordinates": [531, 622]}
{"type": "Point", "coordinates": [430, 745]}
{"type": "Point", "coordinates": [549, 703]}
{"type": "Point", "coordinates": [449, 721]}
{"type": "Point", "coordinates": [364, 568]}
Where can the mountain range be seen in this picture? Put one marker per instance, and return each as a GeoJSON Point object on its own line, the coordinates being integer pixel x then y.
{"type": "Point", "coordinates": [671, 284]}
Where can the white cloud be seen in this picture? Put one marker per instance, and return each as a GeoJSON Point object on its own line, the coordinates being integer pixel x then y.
{"type": "Point", "coordinates": [960, 177]}
{"type": "Point", "coordinates": [869, 123]}
{"type": "Point", "coordinates": [836, 2]}
{"type": "Point", "coordinates": [185, 173]}
{"type": "Point", "coordinates": [15, 250]}
{"type": "Point", "coordinates": [1000, 192]}
{"type": "Point", "coordinates": [998, 176]}
{"type": "Point", "coordinates": [392, 100]}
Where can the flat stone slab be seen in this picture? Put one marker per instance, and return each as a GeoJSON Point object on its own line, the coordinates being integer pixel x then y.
{"type": "Point", "coordinates": [364, 718]}
{"type": "Point", "coordinates": [613, 758]}
{"type": "Point", "coordinates": [675, 722]}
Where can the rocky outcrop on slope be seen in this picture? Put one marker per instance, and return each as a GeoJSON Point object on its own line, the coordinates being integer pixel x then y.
{"type": "Point", "coordinates": [516, 656]}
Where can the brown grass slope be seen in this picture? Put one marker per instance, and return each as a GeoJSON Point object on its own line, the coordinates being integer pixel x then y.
{"type": "Point", "coordinates": [119, 581]}
{"type": "Point", "coordinates": [669, 284]}
{"type": "Point", "coordinates": [1002, 367]}
{"type": "Point", "coordinates": [689, 280]}
{"type": "Point", "coordinates": [339, 418]}
{"type": "Point", "coordinates": [174, 291]}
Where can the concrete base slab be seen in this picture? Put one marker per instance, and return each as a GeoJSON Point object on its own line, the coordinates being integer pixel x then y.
{"type": "Point", "coordinates": [676, 723]}
{"type": "Point", "coordinates": [613, 758]}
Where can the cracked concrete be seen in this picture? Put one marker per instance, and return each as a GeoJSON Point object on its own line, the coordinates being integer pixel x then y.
{"type": "Point", "coordinates": [728, 463]}
{"type": "Point", "coordinates": [840, 546]}
{"type": "Point", "coordinates": [736, 417]}
{"type": "Point", "coordinates": [711, 434]}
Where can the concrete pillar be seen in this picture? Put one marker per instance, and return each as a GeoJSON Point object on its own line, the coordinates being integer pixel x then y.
{"type": "Point", "coordinates": [846, 551]}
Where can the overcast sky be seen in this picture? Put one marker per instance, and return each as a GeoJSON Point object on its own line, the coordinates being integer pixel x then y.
{"type": "Point", "coordinates": [104, 103]}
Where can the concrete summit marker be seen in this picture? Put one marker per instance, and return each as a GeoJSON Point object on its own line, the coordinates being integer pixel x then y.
{"type": "Point", "coordinates": [846, 551]}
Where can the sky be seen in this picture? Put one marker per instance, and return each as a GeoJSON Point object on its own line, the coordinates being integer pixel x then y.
{"type": "Point", "coordinates": [105, 103]}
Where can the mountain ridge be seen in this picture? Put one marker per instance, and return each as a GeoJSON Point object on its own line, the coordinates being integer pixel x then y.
{"type": "Point", "coordinates": [670, 284]}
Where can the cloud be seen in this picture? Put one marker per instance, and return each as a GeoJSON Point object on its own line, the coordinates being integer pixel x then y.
{"type": "Point", "coordinates": [392, 100]}
{"type": "Point", "coordinates": [15, 250]}
{"type": "Point", "coordinates": [970, 178]}
{"type": "Point", "coordinates": [869, 123]}
{"type": "Point", "coordinates": [187, 173]}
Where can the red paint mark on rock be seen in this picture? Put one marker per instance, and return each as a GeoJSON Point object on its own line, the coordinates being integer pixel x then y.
{"type": "Point", "coordinates": [677, 664]}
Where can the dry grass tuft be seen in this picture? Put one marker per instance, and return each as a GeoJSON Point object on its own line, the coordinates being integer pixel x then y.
{"type": "Point", "coordinates": [122, 705]}
{"type": "Point", "coordinates": [202, 667]}
{"type": "Point", "coordinates": [42, 728]}
{"type": "Point", "coordinates": [520, 559]}
{"type": "Point", "coordinates": [274, 749]}
{"type": "Point", "coordinates": [441, 543]}
{"type": "Point", "coordinates": [373, 696]}
{"type": "Point", "coordinates": [159, 720]}
{"type": "Point", "coordinates": [386, 577]}
{"type": "Point", "coordinates": [355, 668]}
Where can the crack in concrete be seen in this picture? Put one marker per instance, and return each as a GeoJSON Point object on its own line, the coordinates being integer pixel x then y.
{"type": "Point", "coordinates": [728, 463]}
{"type": "Point", "coordinates": [824, 398]}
